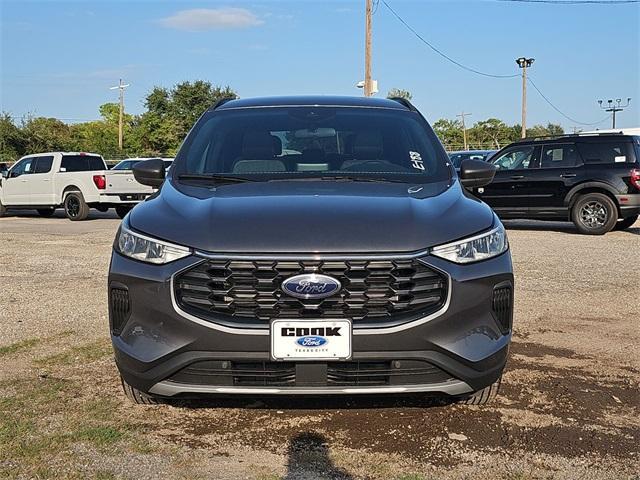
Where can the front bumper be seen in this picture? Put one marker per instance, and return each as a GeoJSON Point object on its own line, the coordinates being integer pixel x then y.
{"type": "Point", "coordinates": [464, 341]}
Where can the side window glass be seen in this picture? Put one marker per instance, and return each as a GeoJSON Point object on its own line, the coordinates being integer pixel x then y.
{"type": "Point", "coordinates": [515, 159]}
{"type": "Point", "coordinates": [559, 156]}
{"type": "Point", "coordinates": [18, 169]}
{"type": "Point", "coordinates": [607, 152]}
{"type": "Point", "coordinates": [73, 163]}
{"type": "Point", "coordinates": [96, 163]}
{"type": "Point", "coordinates": [22, 167]}
{"type": "Point", "coordinates": [43, 165]}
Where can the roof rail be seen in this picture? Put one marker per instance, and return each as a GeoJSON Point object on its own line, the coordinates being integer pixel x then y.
{"type": "Point", "coordinates": [222, 101]}
{"type": "Point", "coordinates": [567, 135]}
{"type": "Point", "coordinates": [405, 102]}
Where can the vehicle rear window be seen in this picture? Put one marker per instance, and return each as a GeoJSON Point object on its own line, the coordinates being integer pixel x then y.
{"type": "Point", "coordinates": [43, 164]}
{"type": "Point", "coordinates": [82, 163]}
{"type": "Point", "coordinates": [285, 142]}
{"type": "Point", "coordinates": [607, 151]}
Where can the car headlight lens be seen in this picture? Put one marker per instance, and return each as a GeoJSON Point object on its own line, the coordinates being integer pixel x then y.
{"type": "Point", "coordinates": [474, 249]}
{"type": "Point", "coordinates": [146, 249]}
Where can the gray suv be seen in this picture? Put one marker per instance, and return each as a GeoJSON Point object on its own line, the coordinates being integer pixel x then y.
{"type": "Point", "coordinates": [311, 245]}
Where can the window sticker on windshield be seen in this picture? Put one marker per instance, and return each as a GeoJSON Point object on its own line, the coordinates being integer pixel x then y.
{"type": "Point", "coordinates": [416, 160]}
{"type": "Point", "coordinates": [557, 155]}
{"type": "Point", "coordinates": [27, 167]}
{"type": "Point", "coordinates": [620, 159]}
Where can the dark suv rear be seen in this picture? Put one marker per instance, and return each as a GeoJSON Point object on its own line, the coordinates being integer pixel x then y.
{"type": "Point", "coordinates": [592, 180]}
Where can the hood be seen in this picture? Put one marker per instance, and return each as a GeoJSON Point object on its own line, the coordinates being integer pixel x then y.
{"type": "Point", "coordinates": [311, 216]}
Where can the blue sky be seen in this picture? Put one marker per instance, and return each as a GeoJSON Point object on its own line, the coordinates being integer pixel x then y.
{"type": "Point", "coordinates": [60, 58]}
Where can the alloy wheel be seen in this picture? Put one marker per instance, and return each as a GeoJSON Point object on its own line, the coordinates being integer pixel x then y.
{"type": "Point", "coordinates": [593, 214]}
{"type": "Point", "coordinates": [73, 206]}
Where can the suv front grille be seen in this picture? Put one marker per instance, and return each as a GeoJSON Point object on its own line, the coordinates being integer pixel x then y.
{"type": "Point", "coordinates": [249, 292]}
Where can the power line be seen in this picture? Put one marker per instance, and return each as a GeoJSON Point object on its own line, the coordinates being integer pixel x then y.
{"type": "Point", "coordinates": [560, 111]}
{"type": "Point", "coordinates": [574, 2]}
{"type": "Point", "coordinates": [439, 52]}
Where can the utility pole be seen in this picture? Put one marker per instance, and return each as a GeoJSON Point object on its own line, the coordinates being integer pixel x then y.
{"type": "Point", "coordinates": [368, 87]}
{"type": "Point", "coordinates": [613, 108]}
{"type": "Point", "coordinates": [464, 129]}
{"type": "Point", "coordinates": [121, 86]}
{"type": "Point", "coordinates": [523, 63]}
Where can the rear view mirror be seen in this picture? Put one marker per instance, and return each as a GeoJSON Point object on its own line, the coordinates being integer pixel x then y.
{"type": "Point", "coordinates": [149, 172]}
{"type": "Point", "coordinates": [476, 173]}
{"type": "Point", "coordinates": [321, 132]}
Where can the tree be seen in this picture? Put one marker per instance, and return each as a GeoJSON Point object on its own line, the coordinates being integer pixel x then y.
{"type": "Point", "coordinates": [12, 140]}
{"type": "Point", "coordinates": [450, 133]}
{"type": "Point", "coordinates": [398, 92]}
{"type": "Point", "coordinates": [541, 131]}
{"type": "Point", "coordinates": [46, 135]}
{"type": "Point", "coordinates": [490, 133]}
{"type": "Point", "coordinates": [171, 114]}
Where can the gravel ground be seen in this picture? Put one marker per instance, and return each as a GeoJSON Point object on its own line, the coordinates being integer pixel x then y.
{"type": "Point", "coordinates": [569, 408]}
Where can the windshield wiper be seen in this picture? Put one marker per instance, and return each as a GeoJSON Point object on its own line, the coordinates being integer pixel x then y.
{"type": "Point", "coordinates": [355, 178]}
{"type": "Point", "coordinates": [214, 177]}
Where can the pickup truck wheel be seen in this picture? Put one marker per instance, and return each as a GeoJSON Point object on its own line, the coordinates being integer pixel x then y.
{"type": "Point", "coordinates": [75, 207]}
{"type": "Point", "coordinates": [46, 212]}
{"type": "Point", "coordinates": [122, 211]}
{"type": "Point", "coordinates": [484, 396]}
{"type": "Point", "coordinates": [594, 214]}
{"type": "Point", "coordinates": [625, 222]}
{"type": "Point", "coordinates": [136, 396]}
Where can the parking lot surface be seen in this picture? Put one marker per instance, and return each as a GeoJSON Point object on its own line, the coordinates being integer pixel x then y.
{"type": "Point", "coordinates": [570, 403]}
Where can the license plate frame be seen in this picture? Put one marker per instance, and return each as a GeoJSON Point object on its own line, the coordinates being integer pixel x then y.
{"type": "Point", "coordinates": [287, 347]}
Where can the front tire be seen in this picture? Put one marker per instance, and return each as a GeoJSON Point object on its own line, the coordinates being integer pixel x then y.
{"type": "Point", "coordinates": [75, 207]}
{"type": "Point", "coordinates": [122, 211]}
{"type": "Point", "coordinates": [3, 210]}
{"type": "Point", "coordinates": [484, 396]}
{"type": "Point", "coordinates": [594, 214]}
{"type": "Point", "coordinates": [136, 396]}
{"type": "Point", "coordinates": [625, 222]}
{"type": "Point", "coordinates": [46, 212]}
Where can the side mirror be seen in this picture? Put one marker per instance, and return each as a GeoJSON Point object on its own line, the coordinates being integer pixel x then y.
{"type": "Point", "coordinates": [476, 173]}
{"type": "Point", "coordinates": [149, 172]}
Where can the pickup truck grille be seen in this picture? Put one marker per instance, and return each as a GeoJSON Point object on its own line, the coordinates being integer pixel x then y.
{"type": "Point", "coordinates": [249, 292]}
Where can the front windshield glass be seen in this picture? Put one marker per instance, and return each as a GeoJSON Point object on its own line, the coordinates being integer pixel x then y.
{"type": "Point", "coordinates": [274, 143]}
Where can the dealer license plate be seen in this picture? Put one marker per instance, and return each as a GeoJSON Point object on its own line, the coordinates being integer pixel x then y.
{"type": "Point", "coordinates": [311, 340]}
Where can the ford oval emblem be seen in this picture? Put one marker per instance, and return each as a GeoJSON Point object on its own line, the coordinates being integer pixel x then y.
{"type": "Point", "coordinates": [311, 285]}
{"type": "Point", "coordinates": [311, 341]}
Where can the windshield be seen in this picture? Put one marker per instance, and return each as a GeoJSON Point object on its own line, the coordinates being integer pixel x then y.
{"type": "Point", "coordinates": [124, 165]}
{"type": "Point", "coordinates": [299, 142]}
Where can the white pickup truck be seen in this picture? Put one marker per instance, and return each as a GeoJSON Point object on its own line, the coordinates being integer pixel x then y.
{"type": "Point", "coordinates": [72, 180]}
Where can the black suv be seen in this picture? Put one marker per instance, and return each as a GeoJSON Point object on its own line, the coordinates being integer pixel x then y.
{"type": "Point", "coordinates": [592, 180]}
{"type": "Point", "coordinates": [311, 245]}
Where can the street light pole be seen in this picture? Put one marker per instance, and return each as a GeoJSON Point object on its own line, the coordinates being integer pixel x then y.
{"type": "Point", "coordinates": [464, 129]}
{"type": "Point", "coordinates": [523, 63]}
{"type": "Point", "coordinates": [614, 108]}
{"type": "Point", "coordinates": [120, 87]}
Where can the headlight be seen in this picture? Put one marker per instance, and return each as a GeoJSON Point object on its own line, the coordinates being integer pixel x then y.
{"type": "Point", "coordinates": [474, 249]}
{"type": "Point", "coordinates": [146, 249]}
